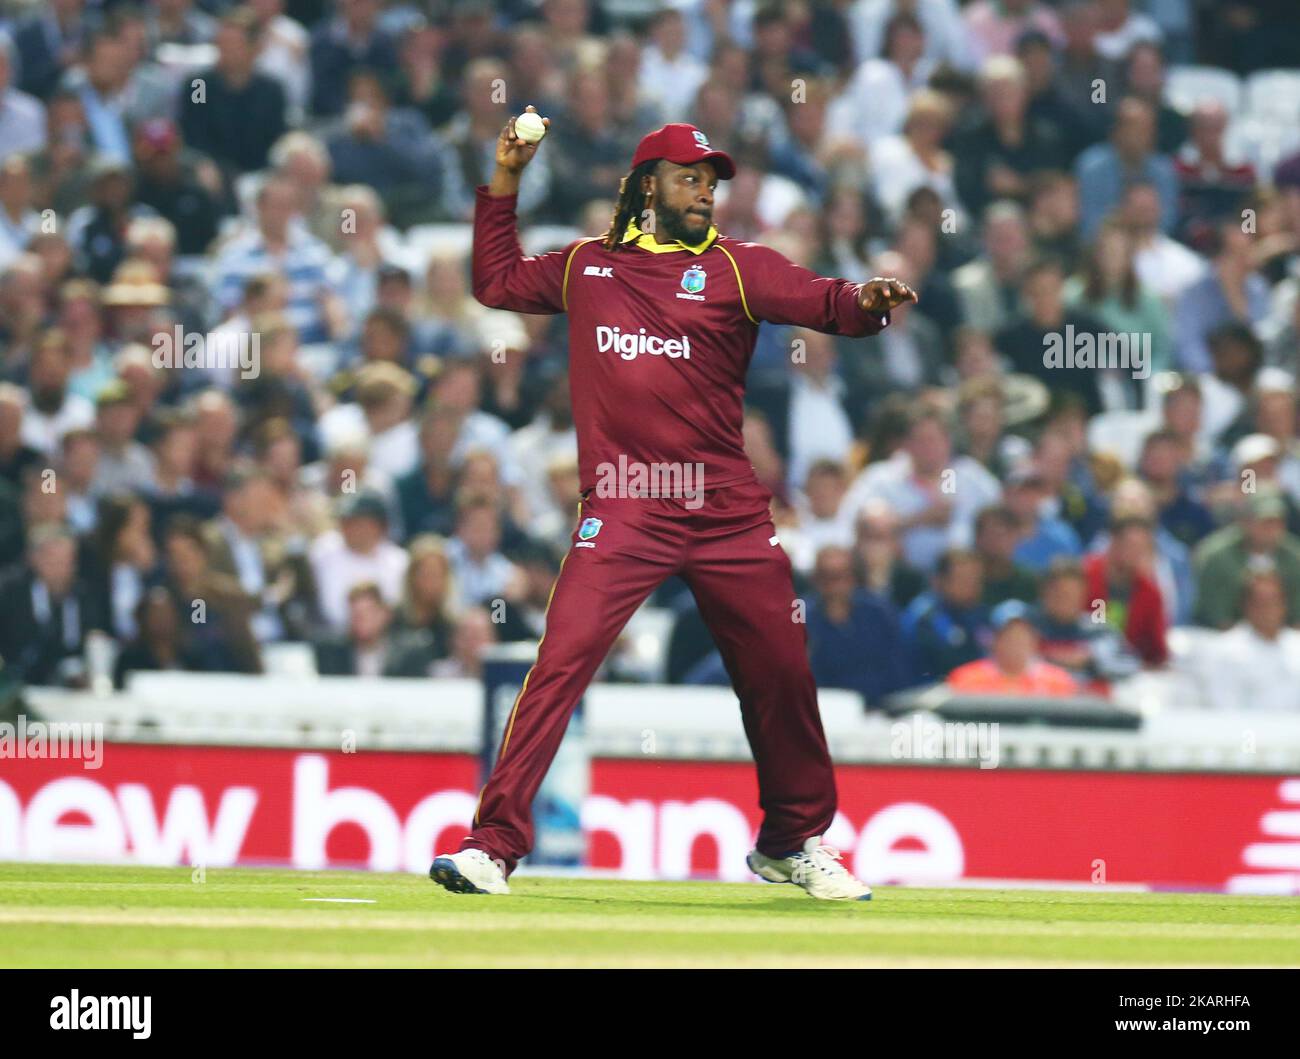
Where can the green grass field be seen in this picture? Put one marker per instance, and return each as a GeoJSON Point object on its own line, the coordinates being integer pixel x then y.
{"type": "Point", "coordinates": [74, 916]}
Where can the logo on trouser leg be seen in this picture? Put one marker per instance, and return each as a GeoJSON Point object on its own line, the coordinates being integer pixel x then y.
{"type": "Point", "coordinates": [589, 528]}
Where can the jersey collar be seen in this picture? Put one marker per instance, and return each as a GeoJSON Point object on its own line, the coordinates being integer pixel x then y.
{"type": "Point", "coordinates": [648, 242]}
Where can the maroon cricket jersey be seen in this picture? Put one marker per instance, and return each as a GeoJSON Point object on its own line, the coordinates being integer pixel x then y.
{"type": "Point", "coordinates": [659, 340]}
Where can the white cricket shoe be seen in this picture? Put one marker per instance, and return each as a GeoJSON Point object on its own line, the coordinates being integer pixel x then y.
{"type": "Point", "coordinates": [471, 871]}
{"type": "Point", "coordinates": [816, 868]}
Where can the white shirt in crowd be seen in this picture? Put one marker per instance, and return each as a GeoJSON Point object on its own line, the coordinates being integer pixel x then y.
{"type": "Point", "coordinates": [671, 83]}
{"type": "Point", "coordinates": [16, 233]}
{"type": "Point", "coordinates": [1241, 670]}
{"type": "Point", "coordinates": [819, 426]}
{"type": "Point", "coordinates": [479, 581]}
{"type": "Point", "coordinates": [1168, 268]}
{"type": "Point", "coordinates": [395, 451]}
{"type": "Point", "coordinates": [973, 489]}
{"type": "Point", "coordinates": [880, 88]}
{"type": "Point", "coordinates": [338, 570]}
{"type": "Point", "coordinates": [44, 431]}
{"type": "Point", "coordinates": [811, 534]}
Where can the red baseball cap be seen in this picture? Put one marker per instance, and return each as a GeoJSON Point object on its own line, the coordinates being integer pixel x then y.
{"type": "Point", "coordinates": [684, 145]}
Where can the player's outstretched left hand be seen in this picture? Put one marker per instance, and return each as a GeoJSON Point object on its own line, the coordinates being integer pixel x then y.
{"type": "Point", "coordinates": [879, 295]}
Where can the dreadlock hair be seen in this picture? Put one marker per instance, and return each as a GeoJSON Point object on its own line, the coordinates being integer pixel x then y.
{"type": "Point", "coordinates": [631, 203]}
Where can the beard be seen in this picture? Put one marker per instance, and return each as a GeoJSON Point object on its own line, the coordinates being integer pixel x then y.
{"type": "Point", "coordinates": [681, 225]}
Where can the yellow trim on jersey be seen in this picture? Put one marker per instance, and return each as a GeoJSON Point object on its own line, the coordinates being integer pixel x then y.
{"type": "Point", "coordinates": [648, 242]}
{"type": "Point", "coordinates": [514, 710]}
{"type": "Point", "coordinates": [739, 283]}
{"type": "Point", "coordinates": [564, 286]}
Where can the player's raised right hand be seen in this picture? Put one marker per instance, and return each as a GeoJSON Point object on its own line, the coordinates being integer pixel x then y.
{"type": "Point", "coordinates": [512, 152]}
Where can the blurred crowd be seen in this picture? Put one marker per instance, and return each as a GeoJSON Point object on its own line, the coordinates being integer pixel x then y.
{"type": "Point", "coordinates": [385, 471]}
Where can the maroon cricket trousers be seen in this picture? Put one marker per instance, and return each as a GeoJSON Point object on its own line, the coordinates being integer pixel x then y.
{"type": "Point", "coordinates": [725, 549]}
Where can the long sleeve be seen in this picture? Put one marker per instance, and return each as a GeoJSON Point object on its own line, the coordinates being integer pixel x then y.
{"type": "Point", "coordinates": [778, 291]}
{"type": "Point", "coordinates": [503, 277]}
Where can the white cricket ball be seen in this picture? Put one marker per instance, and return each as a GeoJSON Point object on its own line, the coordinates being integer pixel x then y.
{"type": "Point", "coordinates": [529, 127]}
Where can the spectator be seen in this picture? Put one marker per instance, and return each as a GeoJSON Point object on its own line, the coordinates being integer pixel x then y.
{"type": "Point", "coordinates": [817, 423]}
{"type": "Point", "coordinates": [1144, 77]}
{"type": "Point", "coordinates": [997, 156]}
{"type": "Point", "coordinates": [1255, 665]}
{"type": "Point", "coordinates": [393, 152]}
{"type": "Point", "coordinates": [1105, 170]}
{"type": "Point", "coordinates": [946, 38]}
{"type": "Point", "coordinates": [888, 86]}
{"type": "Point", "coordinates": [822, 522]}
{"type": "Point", "coordinates": [482, 573]}
{"type": "Point", "coordinates": [1049, 98]}
{"type": "Point", "coordinates": [994, 26]}
{"type": "Point", "coordinates": [996, 533]}
{"type": "Point", "coordinates": [981, 412]}
{"type": "Point", "coordinates": [1120, 579]}
{"type": "Point", "coordinates": [282, 51]}
{"type": "Point", "coordinates": [473, 635]}
{"type": "Point", "coordinates": [1161, 467]}
{"type": "Point", "coordinates": [352, 40]}
{"type": "Point", "coordinates": [48, 44]}
{"type": "Point", "coordinates": [77, 477]}
{"type": "Point", "coordinates": [177, 184]}
{"type": "Point", "coordinates": [989, 286]}
{"type": "Point", "coordinates": [17, 457]}
{"type": "Point", "coordinates": [52, 411]}
{"type": "Point", "coordinates": [102, 81]}
{"type": "Point", "coordinates": [61, 168]}
{"type": "Point", "coordinates": [158, 643]}
{"type": "Point", "coordinates": [281, 244]}
{"type": "Point", "coordinates": [1237, 357]}
{"type": "Point", "coordinates": [1230, 291]}
{"type": "Point", "coordinates": [590, 155]}
{"type": "Point", "coordinates": [947, 626]}
{"type": "Point", "coordinates": [1109, 287]}
{"type": "Point", "coordinates": [381, 413]}
{"type": "Point", "coordinates": [670, 76]}
{"type": "Point", "coordinates": [524, 619]}
{"type": "Point", "coordinates": [122, 563]}
{"type": "Point", "coordinates": [1042, 341]}
{"type": "Point", "coordinates": [1070, 634]}
{"type": "Point", "coordinates": [853, 635]}
{"type": "Point", "coordinates": [215, 612]}
{"type": "Point", "coordinates": [234, 114]}
{"type": "Point", "coordinates": [358, 552]}
{"type": "Point", "coordinates": [1119, 28]}
{"type": "Point", "coordinates": [372, 647]}
{"type": "Point", "coordinates": [22, 117]}
{"type": "Point", "coordinates": [1214, 182]}
{"type": "Point", "coordinates": [472, 135]}
{"type": "Point", "coordinates": [97, 230]}
{"type": "Point", "coordinates": [48, 612]}
{"type": "Point", "coordinates": [878, 552]}
{"type": "Point", "coordinates": [1014, 666]}
{"type": "Point", "coordinates": [430, 601]}
{"type": "Point", "coordinates": [247, 542]}
{"type": "Point", "coordinates": [125, 465]}
{"type": "Point", "coordinates": [1163, 264]}
{"type": "Point", "coordinates": [935, 494]}
{"type": "Point", "coordinates": [1258, 540]}
{"type": "Point", "coordinates": [19, 222]}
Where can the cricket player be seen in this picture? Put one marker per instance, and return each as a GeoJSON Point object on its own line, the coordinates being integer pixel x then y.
{"type": "Point", "coordinates": [663, 316]}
